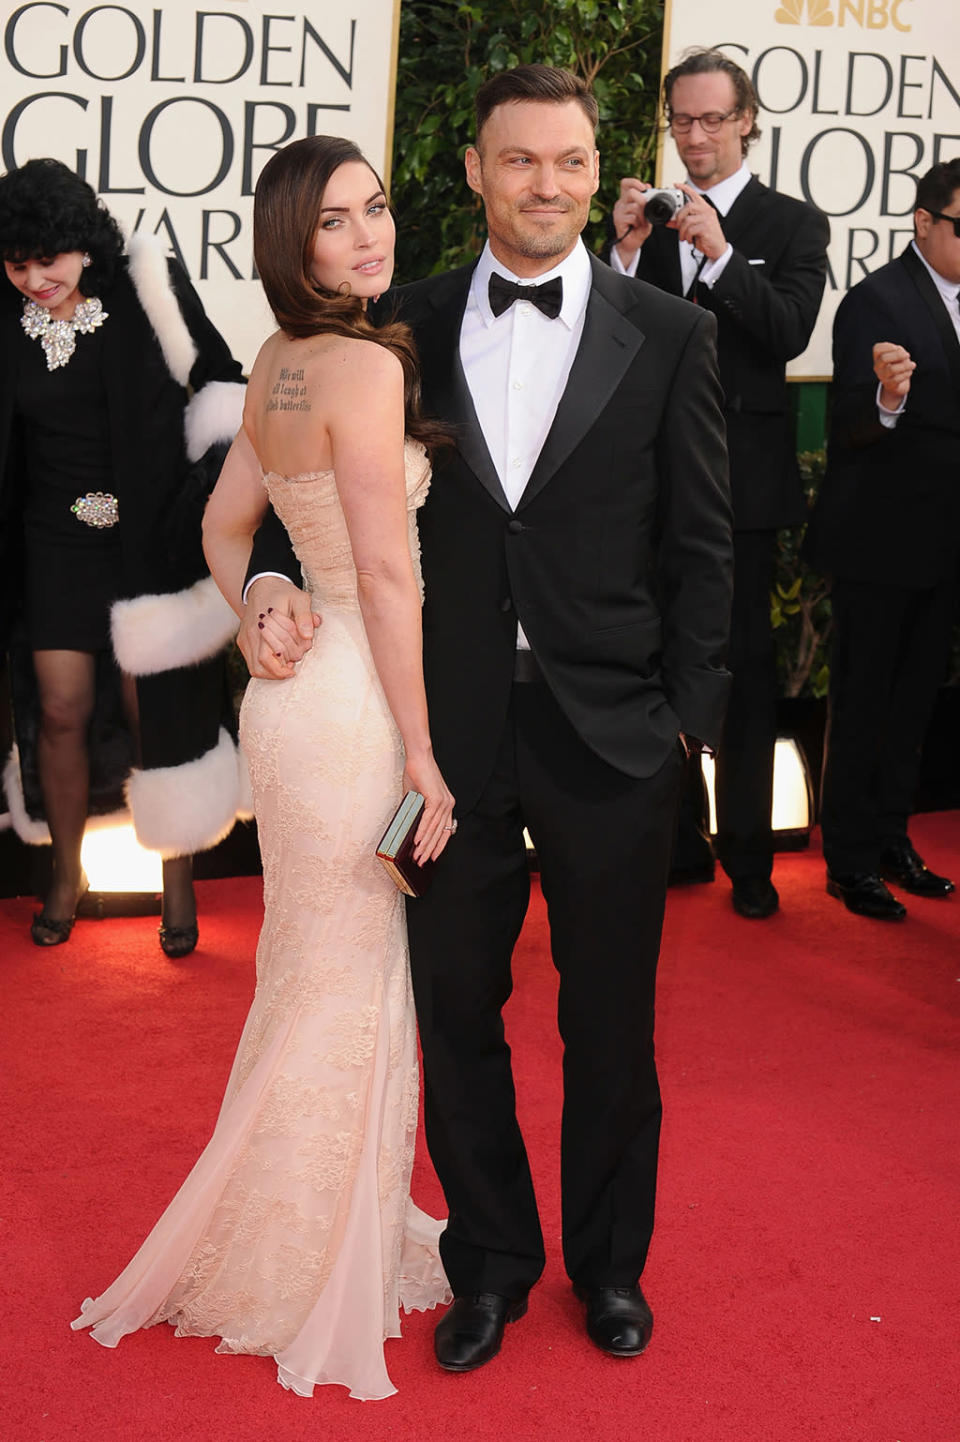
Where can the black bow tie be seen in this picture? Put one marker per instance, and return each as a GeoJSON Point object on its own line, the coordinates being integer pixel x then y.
{"type": "Point", "coordinates": [547, 297]}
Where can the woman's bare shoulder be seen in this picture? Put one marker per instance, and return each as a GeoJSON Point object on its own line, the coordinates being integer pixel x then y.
{"type": "Point", "coordinates": [351, 361]}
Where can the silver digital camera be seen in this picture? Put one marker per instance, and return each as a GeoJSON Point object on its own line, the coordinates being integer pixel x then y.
{"type": "Point", "coordinates": [663, 205]}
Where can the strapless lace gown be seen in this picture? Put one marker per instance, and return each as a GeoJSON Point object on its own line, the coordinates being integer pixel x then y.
{"type": "Point", "coordinates": [294, 1235]}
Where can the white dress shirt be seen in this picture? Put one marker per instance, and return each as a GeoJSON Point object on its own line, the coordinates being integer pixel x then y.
{"type": "Point", "coordinates": [517, 365]}
{"type": "Point", "coordinates": [692, 266]}
{"type": "Point", "coordinates": [949, 291]}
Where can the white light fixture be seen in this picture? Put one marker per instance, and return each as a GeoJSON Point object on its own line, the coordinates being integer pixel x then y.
{"type": "Point", "coordinates": [114, 861]}
{"type": "Point", "coordinates": [792, 799]}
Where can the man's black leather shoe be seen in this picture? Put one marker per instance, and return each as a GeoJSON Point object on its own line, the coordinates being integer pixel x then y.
{"type": "Point", "coordinates": [899, 862]}
{"type": "Point", "coordinates": [618, 1319]}
{"type": "Point", "coordinates": [866, 895]}
{"type": "Point", "coordinates": [471, 1330]}
{"type": "Point", "coordinates": [755, 897]}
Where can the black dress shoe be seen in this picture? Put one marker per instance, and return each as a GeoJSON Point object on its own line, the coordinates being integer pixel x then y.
{"type": "Point", "coordinates": [177, 941]}
{"type": "Point", "coordinates": [865, 894]}
{"type": "Point", "coordinates": [45, 931]}
{"type": "Point", "coordinates": [755, 897]}
{"type": "Point", "coordinates": [618, 1319]}
{"type": "Point", "coordinates": [49, 931]}
{"type": "Point", "coordinates": [471, 1330]}
{"type": "Point", "coordinates": [899, 862]}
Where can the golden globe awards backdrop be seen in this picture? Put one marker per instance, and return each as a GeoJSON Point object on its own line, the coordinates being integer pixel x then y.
{"type": "Point", "coordinates": [858, 98]}
{"type": "Point", "coordinates": [170, 112]}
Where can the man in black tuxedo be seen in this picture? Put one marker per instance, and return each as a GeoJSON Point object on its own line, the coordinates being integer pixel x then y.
{"type": "Point", "coordinates": [886, 528]}
{"type": "Point", "coordinates": [757, 260]}
{"type": "Point", "coordinates": [576, 557]}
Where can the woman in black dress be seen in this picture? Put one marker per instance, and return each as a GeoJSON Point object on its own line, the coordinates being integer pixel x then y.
{"type": "Point", "coordinates": [104, 469]}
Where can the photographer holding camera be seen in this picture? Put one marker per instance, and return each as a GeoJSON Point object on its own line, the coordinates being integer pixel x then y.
{"type": "Point", "coordinates": [757, 259]}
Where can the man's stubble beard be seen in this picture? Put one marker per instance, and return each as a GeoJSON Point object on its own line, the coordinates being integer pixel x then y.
{"type": "Point", "coordinates": [546, 245]}
{"type": "Point", "coordinates": [546, 250]}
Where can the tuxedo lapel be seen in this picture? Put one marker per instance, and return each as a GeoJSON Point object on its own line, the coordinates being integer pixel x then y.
{"type": "Point", "coordinates": [933, 302]}
{"type": "Point", "coordinates": [445, 390]}
{"type": "Point", "coordinates": [607, 347]}
{"type": "Point", "coordinates": [739, 219]}
{"type": "Point", "coordinates": [736, 226]}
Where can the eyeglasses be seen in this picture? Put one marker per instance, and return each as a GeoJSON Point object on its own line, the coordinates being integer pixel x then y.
{"type": "Point", "coordinates": [711, 122]}
{"type": "Point", "coordinates": [953, 219]}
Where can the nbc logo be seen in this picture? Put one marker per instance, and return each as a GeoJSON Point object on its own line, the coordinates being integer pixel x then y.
{"type": "Point", "coordinates": [868, 14]}
{"type": "Point", "coordinates": [819, 12]}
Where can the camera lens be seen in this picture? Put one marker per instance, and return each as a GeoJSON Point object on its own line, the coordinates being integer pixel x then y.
{"type": "Point", "coordinates": [662, 205]}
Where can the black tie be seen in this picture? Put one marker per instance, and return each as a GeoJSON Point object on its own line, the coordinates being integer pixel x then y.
{"type": "Point", "coordinates": [547, 297]}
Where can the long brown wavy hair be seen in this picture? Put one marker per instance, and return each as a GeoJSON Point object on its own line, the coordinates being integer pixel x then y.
{"type": "Point", "coordinates": [286, 217]}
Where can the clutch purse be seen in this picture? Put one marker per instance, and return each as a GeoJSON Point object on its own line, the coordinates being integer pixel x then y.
{"type": "Point", "coordinates": [396, 847]}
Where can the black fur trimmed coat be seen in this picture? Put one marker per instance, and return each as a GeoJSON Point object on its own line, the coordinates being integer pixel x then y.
{"type": "Point", "coordinates": [175, 398]}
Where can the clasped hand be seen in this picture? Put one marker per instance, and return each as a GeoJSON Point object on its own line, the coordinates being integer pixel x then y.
{"type": "Point", "coordinates": [277, 628]}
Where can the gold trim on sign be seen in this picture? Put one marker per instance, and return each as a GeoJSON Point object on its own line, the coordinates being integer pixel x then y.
{"type": "Point", "coordinates": [664, 67]}
{"type": "Point", "coordinates": [392, 93]}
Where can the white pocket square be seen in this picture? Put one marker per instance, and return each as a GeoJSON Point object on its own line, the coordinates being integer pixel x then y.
{"type": "Point", "coordinates": [756, 262]}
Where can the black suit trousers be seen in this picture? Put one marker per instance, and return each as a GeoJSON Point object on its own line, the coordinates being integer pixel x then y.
{"type": "Point", "coordinates": [890, 649]}
{"type": "Point", "coordinates": [744, 768]}
{"type": "Point", "coordinates": [603, 843]}
{"type": "Point", "coordinates": [744, 775]}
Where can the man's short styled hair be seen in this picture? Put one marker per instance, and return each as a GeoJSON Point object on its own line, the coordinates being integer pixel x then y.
{"type": "Point", "coordinates": [544, 83]}
{"type": "Point", "coordinates": [701, 60]}
{"type": "Point", "coordinates": [935, 190]}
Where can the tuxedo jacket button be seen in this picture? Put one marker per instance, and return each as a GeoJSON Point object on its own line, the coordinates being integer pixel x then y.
{"type": "Point", "coordinates": [514, 527]}
{"type": "Point", "coordinates": [506, 604]}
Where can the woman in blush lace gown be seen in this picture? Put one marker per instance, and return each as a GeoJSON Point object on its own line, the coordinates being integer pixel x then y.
{"type": "Point", "coordinates": [294, 1235]}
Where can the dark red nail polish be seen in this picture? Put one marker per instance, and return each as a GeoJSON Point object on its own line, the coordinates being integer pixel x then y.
{"type": "Point", "coordinates": [260, 624]}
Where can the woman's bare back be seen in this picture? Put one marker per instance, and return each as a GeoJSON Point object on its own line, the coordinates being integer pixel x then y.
{"type": "Point", "coordinates": [300, 390]}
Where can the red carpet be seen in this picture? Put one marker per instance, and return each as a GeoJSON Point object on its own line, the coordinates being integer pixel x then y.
{"type": "Point", "coordinates": [805, 1269]}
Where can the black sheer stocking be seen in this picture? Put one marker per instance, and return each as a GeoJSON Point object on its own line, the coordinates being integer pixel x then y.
{"type": "Point", "coordinates": [65, 683]}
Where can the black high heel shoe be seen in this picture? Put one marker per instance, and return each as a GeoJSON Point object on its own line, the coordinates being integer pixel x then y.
{"type": "Point", "coordinates": [177, 941]}
{"type": "Point", "coordinates": [50, 931]}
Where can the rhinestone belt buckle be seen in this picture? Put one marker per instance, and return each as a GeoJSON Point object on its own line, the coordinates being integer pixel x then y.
{"type": "Point", "coordinates": [96, 508]}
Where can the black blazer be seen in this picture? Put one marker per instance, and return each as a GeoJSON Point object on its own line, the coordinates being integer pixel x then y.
{"type": "Point", "coordinates": [766, 304]}
{"type": "Point", "coordinates": [617, 560]}
{"type": "Point", "coordinates": [889, 507]}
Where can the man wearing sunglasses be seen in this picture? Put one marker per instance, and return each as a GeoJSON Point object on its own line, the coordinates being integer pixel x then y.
{"type": "Point", "coordinates": [886, 528]}
{"type": "Point", "coordinates": [757, 259]}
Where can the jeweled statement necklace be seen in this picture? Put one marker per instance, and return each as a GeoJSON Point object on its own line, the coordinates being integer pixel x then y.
{"type": "Point", "coordinates": [59, 337]}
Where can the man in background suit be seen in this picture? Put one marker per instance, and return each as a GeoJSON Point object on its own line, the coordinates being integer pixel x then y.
{"type": "Point", "coordinates": [576, 558]}
{"type": "Point", "coordinates": [886, 528]}
{"type": "Point", "coordinates": [757, 260]}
